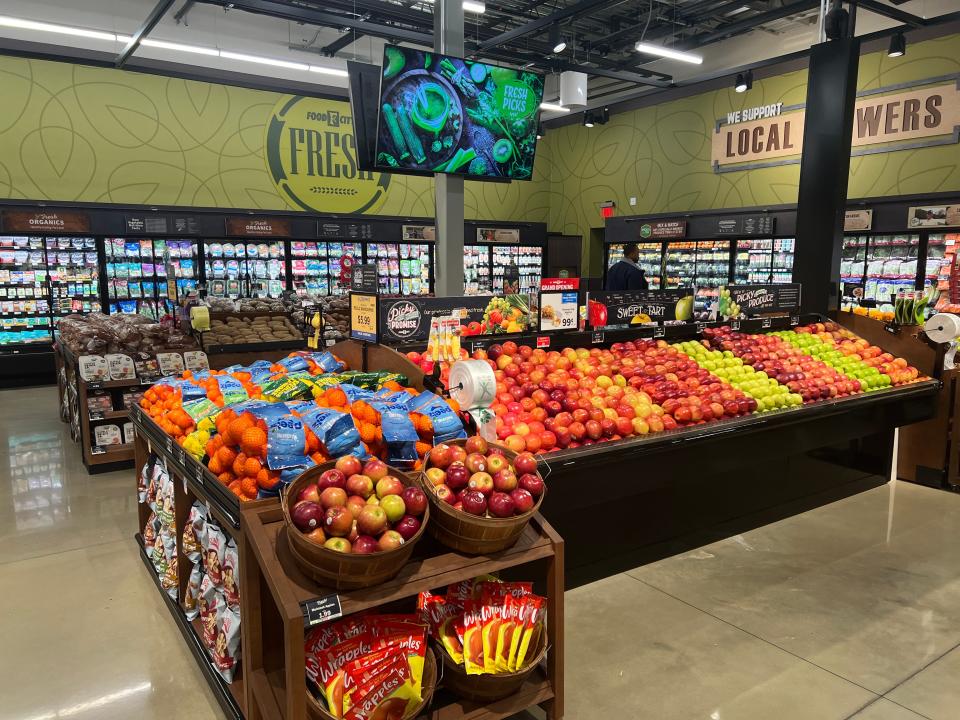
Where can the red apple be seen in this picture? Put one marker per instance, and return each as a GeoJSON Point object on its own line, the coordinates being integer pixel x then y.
{"type": "Point", "coordinates": [338, 522]}
{"type": "Point", "coordinates": [496, 463]}
{"type": "Point", "coordinates": [522, 500]}
{"type": "Point", "coordinates": [309, 494]}
{"type": "Point", "coordinates": [525, 463]}
{"type": "Point", "coordinates": [307, 516]}
{"type": "Point", "coordinates": [349, 465]}
{"type": "Point", "coordinates": [339, 544]}
{"type": "Point", "coordinates": [376, 469]}
{"type": "Point", "coordinates": [333, 497]}
{"type": "Point", "coordinates": [436, 476]}
{"type": "Point", "coordinates": [415, 500]}
{"type": "Point", "coordinates": [476, 463]}
{"type": "Point", "coordinates": [445, 494]}
{"type": "Point", "coordinates": [317, 535]}
{"type": "Point", "coordinates": [505, 480]}
{"type": "Point", "coordinates": [364, 545]}
{"type": "Point", "coordinates": [474, 502]}
{"type": "Point", "coordinates": [532, 483]}
{"type": "Point", "coordinates": [457, 454]}
{"type": "Point", "coordinates": [501, 505]}
{"type": "Point", "coordinates": [388, 485]}
{"type": "Point", "coordinates": [372, 520]}
{"type": "Point", "coordinates": [408, 526]}
{"type": "Point", "coordinates": [332, 478]}
{"type": "Point", "coordinates": [355, 504]}
{"type": "Point", "coordinates": [440, 456]}
{"type": "Point", "coordinates": [360, 485]}
{"type": "Point", "coordinates": [390, 540]}
{"type": "Point", "coordinates": [476, 444]}
{"type": "Point", "coordinates": [593, 429]}
{"type": "Point", "coordinates": [457, 476]}
{"type": "Point", "coordinates": [481, 481]}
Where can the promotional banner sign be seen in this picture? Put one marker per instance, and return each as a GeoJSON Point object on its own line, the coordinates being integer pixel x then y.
{"type": "Point", "coordinates": [934, 216]}
{"type": "Point", "coordinates": [363, 317]}
{"type": "Point", "coordinates": [257, 227]}
{"type": "Point", "coordinates": [559, 283]}
{"type": "Point", "coordinates": [558, 310]}
{"type": "Point", "coordinates": [854, 220]}
{"type": "Point", "coordinates": [498, 235]}
{"type": "Point", "coordinates": [60, 221]}
{"type": "Point", "coordinates": [408, 319]}
{"type": "Point", "coordinates": [610, 309]}
{"type": "Point", "coordinates": [364, 278]}
{"type": "Point", "coordinates": [663, 229]}
{"type": "Point", "coordinates": [737, 301]}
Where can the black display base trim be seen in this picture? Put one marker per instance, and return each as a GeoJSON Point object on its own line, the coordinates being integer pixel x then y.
{"type": "Point", "coordinates": [27, 367]}
{"type": "Point", "coordinates": [214, 681]}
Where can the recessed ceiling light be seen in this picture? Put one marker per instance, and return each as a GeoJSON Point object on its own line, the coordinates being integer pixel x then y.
{"type": "Point", "coordinates": [668, 53]}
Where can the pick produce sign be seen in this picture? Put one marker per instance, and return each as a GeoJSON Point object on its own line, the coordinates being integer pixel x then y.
{"type": "Point", "coordinates": [747, 300]}
{"type": "Point", "coordinates": [407, 319]}
{"type": "Point", "coordinates": [606, 309]}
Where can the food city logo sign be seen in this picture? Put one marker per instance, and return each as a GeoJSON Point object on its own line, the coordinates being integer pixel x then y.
{"type": "Point", "coordinates": [888, 119]}
{"type": "Point", "coordinates": [311, 156]}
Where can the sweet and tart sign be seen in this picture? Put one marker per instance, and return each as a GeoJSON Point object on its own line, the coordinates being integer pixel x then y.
{"type": "Point", "coordinates": [885, 120]}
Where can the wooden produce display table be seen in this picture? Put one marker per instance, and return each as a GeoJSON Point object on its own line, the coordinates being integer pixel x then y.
{"type": "Point", "coordinates": [279, 603]}
{"type": "Point", "coordinates": [928, 452]}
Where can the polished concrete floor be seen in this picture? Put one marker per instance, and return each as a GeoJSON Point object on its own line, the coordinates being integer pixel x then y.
{"type": "Point", "coordinates": [848, 611]}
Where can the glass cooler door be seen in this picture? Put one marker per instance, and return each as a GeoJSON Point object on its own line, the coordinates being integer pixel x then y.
{"type": "Point", "coordinates": [476, 270]}
{"type": "Point", "coordinates": [891, 266]}
{"type": "Point", "coordinates": [73, 275]}
{"type": "Point", "coordinates": [712, 271]}
{"type": "Point", "coordinates": [335, 251]}
{"type": "Point", "coordinates": [309, 268]}
{"type": "Point", "coordinates": [137, 275]}
{"type": "Point", "coordinates": [681, 264]}
{"type": "Point", "coordinates": [783, 260]}
{"type": "Point", "coordinates": [24, 297]}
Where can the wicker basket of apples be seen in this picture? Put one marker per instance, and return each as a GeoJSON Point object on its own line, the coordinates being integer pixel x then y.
{"type": "Point", "coordinates": [482, 494]}
{"type": "Point", "coordinates": [352, 525]}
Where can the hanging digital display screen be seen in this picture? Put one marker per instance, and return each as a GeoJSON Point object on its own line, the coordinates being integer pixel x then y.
{"type": "Point", "coordinates": [440, 114]}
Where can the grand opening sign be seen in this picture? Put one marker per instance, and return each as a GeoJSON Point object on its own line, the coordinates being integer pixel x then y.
{"type": "Point", "coordinates": [883, 122]}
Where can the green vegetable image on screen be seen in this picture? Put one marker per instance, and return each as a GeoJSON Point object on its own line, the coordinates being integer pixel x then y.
{"type": "Point", "coordinates": [448, 115]}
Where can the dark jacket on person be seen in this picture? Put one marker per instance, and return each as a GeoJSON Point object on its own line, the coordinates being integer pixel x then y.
{"type": "Point", "coordinates": [625, 276]}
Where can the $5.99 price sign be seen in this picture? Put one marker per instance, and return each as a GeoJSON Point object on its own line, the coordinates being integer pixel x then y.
{"type": "Point", "coordinates": [363, 317]}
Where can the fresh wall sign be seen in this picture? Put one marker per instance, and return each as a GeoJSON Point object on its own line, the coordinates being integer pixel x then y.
{"type": "Point", "coordinates": [312, 157]}
{"type": "Point", "coordinates": [885, 120]}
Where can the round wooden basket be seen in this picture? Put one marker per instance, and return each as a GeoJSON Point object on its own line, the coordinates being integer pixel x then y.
{"type": "Point", "coordinates": [469, 533]}
{"type": "Point", "coordinates": [486, 688]}
{"type": "Point", "coordinates": [317, 711]}
{"type": "Point", "coordinates": [344, 571]}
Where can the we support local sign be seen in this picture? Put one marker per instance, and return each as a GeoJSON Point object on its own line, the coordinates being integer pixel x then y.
{"type": "Point", "coordinates": [885, 120]}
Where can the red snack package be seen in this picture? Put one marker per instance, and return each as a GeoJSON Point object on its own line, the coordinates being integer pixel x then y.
{"type": "Point", "coordinates": [532, 616]}
{"type": "Point", "coordinates": [363, 671]}
{"type": "Point", "coordinates": [411, 640]}
{"type": "Point", "coordinates": [451, 635]}
{"type": "Point", "coordinates": [473, 638]}
{"type": "Point", "coordinates": [329, 673]}
{"type": "Point", "coordinates": [509, 614]}
{"type": "Point", "coordinates": [491, 605]}
{"type": "Point", "coordinates": [386, 697]}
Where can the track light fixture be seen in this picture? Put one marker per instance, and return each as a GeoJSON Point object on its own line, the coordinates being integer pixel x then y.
{"type": "Point", "coordinates": [540, 131]}
{"type": "Point", "coordinates": [587, 119]}
{"type": "Point", "coordinates": [599, 116]}
{"type": "Point", "coordinates": [557, 43]}
{"type": "Point", "coordinates": [898, 45]}
{"type": "Point", "coordinates": [744, 81]}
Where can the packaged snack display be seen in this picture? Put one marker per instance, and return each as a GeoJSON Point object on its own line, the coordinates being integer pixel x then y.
{"type": "Point", "coordinates": [226, 647]}
{"type": "Point", "coordinates": [155, 487]}
{"type": "Point", "coordinates": [100, 334]}
{"type": "Point", "coordinates": [190, 597]}
{"type": "Point", "coordinates": [231, 575]}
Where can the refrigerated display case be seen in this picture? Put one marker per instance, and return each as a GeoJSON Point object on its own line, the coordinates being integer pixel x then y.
{"type": "Point", "coordinates": [24, 293]}
{"type": "Point", "coordinates": [402, 268]}
{"type": "Point", "coordinates": [783, 249]}
{"type": "Point", "coordinates": [309, 268]}
{"type": "Point", "coordinates": [764, 260]}
{"type": "Point", "coordinates": [529, 262]}
{"type": "Point", "coordinates": [136, 273]}
{"type": "Point", "coordinates": [72, 275]}
{"type": "Point", "coordinates": [336, 251]}
{"type": "Point", "coordinates": [651, 260]}
{"type": "Point", "coordinates": [712, 270]}
{"type": "Point", "coordinates": [245, 268]}
{"type": "Point", "coordinates": [476, 270]}
{"type": "Point", "coordinates": [891, 266]}
{"type": "Point", "coordinates": [938, 260]}
{"type": "Point", "coordinates": [680, 264]}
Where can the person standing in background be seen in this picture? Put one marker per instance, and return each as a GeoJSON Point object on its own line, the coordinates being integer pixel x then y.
{"type": "Point", "coordinates": [626, 274]}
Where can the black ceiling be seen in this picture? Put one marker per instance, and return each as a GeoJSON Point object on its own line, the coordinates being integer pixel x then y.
{"type": "Point", "coordinates": [600, 33]}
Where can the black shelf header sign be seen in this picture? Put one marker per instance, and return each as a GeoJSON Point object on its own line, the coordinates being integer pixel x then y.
{"type": "Point", "coordinates": [161, 225]}
{"type": "Point", "coordinates": [364, 278]}
{"type": "Point", "coordinates": [747, 225]}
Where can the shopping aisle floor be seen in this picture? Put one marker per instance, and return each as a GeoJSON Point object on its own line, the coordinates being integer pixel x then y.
{"type": "Point", "coordinates": [848, 611]}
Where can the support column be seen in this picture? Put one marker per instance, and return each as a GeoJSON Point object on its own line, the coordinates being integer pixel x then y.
{"type": "Point", "coordinates": [448, 189]}
{"type": "Point", "coordinates": [824, 171]}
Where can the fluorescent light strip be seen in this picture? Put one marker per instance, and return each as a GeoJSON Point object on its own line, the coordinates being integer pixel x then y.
{"type": "Point", "coordinates": [553, 107]}
{"type": "Point", "coordinates": [20, 24]}
{"type": "Point", "coordinates": [468, 5]}
{"type": "Point", "coordinates": [179, 47]}
{"type": "Point", "coordinates": [668, 53]}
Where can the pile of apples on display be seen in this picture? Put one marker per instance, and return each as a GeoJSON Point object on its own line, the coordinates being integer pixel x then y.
{"type": "Point", "coordinates": [852, 355]}
{"type": "Point", "coordinates": [359, 508]}
{"type": "Point", "coordinates": [578, 397]}
{"type": "Point", "coordinates": [480, 480]}
{"type": "Point", "coordinates": [808, 377]}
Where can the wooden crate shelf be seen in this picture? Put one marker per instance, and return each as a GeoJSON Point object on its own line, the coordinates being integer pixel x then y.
{"type": "Point", "coordinates": [275, 596]}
